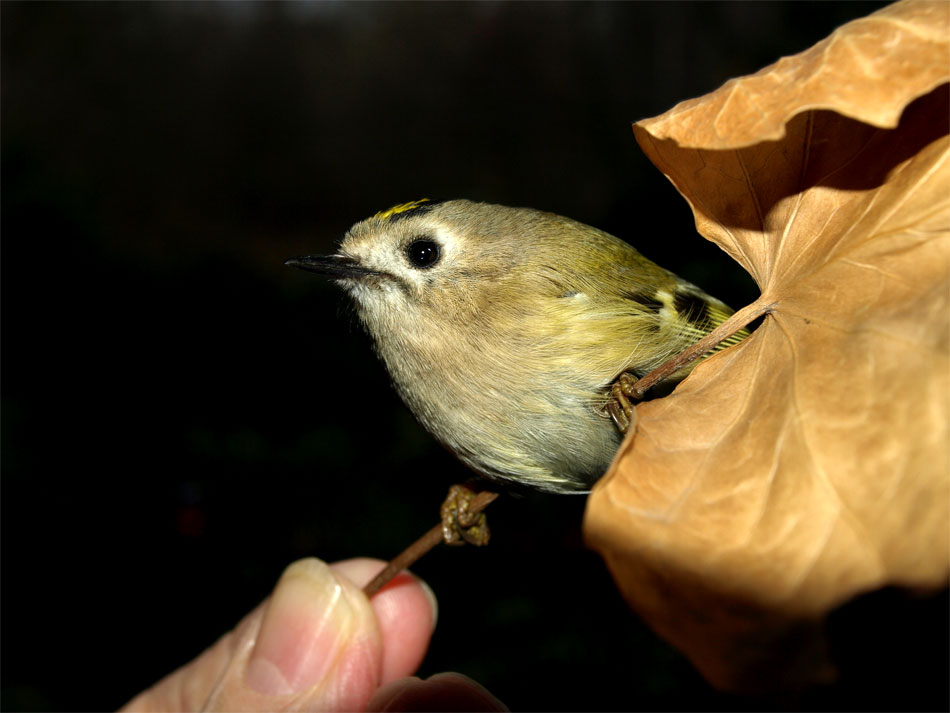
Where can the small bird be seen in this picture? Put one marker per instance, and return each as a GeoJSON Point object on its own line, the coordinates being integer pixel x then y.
{"type": "Point", "coordinates": [503, 330]}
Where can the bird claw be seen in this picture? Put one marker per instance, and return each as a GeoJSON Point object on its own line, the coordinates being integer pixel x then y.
{"type": "Point", "coordinates": [620, 408]}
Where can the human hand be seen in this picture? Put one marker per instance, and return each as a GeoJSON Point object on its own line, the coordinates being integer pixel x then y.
{"type": "Point", "coordinates": [317, 643]}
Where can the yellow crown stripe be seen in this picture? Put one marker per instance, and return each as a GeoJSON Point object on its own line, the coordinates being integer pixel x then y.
{"type": "Point", "coordinates": [401, 208]}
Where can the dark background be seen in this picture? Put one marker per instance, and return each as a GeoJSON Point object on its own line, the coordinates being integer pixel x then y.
{"type": "Point", "coordinates": [182, 416]}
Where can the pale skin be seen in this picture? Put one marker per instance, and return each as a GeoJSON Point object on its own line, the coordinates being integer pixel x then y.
{"type": "Point", "coordinates": [318, 643]}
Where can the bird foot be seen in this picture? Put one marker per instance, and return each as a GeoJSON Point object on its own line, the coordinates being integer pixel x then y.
{"type": "Point", "coordinates": [620, 408]}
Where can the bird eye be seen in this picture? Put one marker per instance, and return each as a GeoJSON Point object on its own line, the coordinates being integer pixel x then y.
{"type": "Point", "coordinates": [423, 253]}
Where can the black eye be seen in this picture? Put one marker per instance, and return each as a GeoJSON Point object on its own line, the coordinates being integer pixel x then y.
{"type": "Point", "coordinates": [423, 253]}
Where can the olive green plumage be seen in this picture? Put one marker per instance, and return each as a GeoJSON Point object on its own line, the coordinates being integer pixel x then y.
{"type": "Point", "coordinates": [503, 328]}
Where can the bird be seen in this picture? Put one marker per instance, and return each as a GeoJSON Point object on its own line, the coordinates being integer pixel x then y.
{"type": "Point", "coordinates": [503, 330]}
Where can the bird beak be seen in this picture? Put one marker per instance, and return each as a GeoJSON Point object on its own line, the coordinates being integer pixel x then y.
{"type": "Point", "coordinates": [337, 266]}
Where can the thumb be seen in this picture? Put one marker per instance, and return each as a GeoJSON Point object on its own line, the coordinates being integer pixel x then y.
{"type": "Point", "coordinates": [313, 644]}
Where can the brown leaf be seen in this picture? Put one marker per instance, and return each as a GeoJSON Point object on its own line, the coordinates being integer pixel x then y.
{"type": "Point", "coordinates": [811, 462]}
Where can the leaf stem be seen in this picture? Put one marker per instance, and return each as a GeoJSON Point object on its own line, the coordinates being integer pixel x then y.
{"type": "Point", "coordinates": [725, 330]}
{"type": "Point", "coordinates": [417, 549]}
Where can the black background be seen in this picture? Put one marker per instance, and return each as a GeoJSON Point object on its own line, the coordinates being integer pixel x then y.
{"type": "Point", "coordinates": [182, 416]}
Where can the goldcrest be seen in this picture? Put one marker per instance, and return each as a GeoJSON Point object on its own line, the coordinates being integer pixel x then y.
{"type": "Point", "coordinates": [504, 328]}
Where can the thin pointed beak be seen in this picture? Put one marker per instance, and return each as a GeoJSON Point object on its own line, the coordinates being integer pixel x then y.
{"type": "Point", "coordinates": [337, 266]}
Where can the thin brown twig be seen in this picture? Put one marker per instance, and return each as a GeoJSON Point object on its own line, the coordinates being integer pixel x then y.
{"type": "Point", "coordinates": [413, 552]}
{"type": "Point", "coordinates": [725, 330]}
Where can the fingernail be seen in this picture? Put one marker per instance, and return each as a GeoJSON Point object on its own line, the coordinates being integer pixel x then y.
{"type": "Point", "coordinates": [306, 627]}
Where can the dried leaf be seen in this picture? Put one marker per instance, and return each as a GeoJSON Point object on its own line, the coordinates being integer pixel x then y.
{"type": "Point", "coordinates": [811, 462]}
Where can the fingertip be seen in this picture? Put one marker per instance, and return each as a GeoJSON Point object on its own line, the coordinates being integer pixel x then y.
{"type": "Point", "coordinates": [461, 693]}
{"type": "Point", "coordinates": [312, 622]}
{"type": "Point", "coordinates": [406, 612]}
{"type": "Point", "coordinates": [441, 692]}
